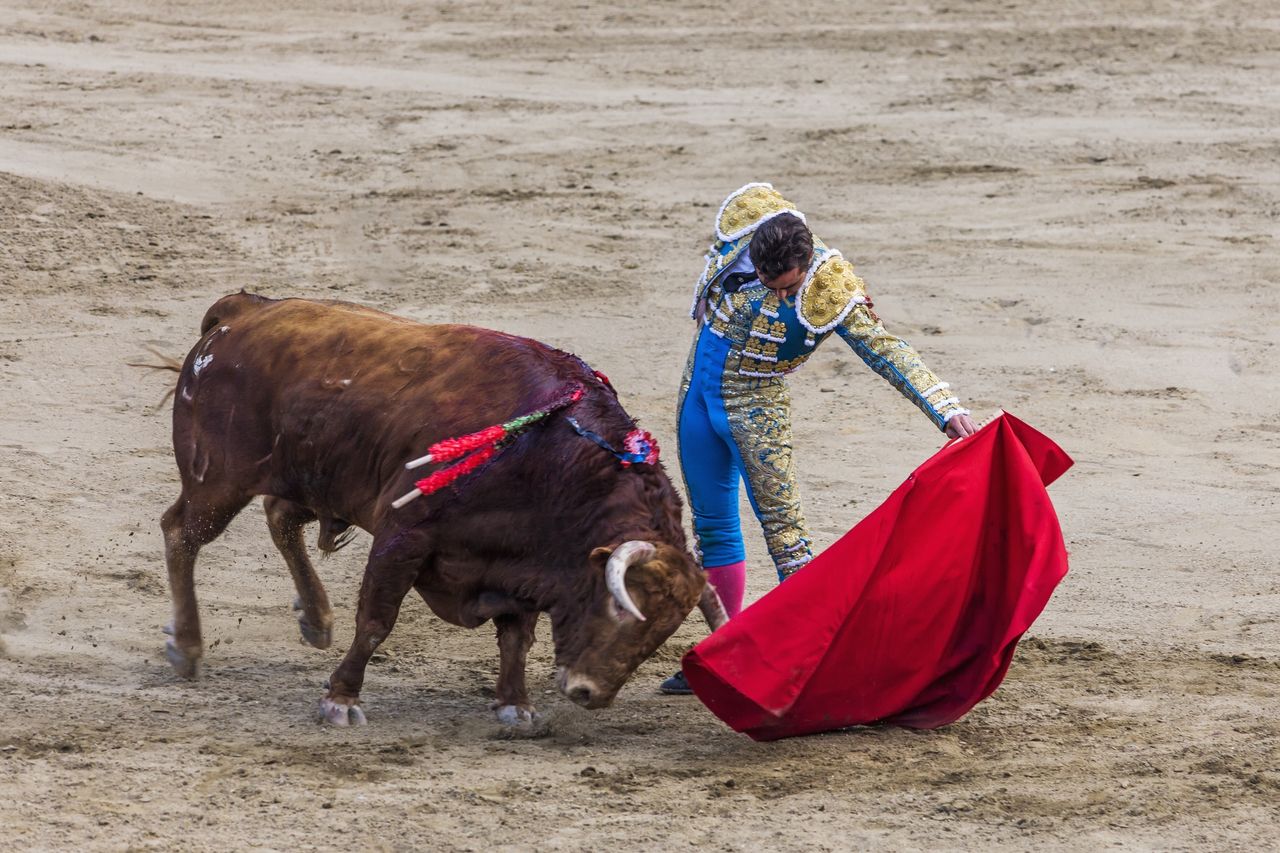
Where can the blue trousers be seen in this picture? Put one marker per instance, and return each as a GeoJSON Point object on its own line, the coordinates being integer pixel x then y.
{"type": "Point", "coordinates": [733, 428]}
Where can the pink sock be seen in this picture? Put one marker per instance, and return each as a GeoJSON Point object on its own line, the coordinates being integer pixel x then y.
{"type": "Point", "coordinates": [730, 583]}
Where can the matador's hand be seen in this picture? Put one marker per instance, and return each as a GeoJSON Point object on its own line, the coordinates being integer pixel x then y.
{"type": "Point", "coordinates": [960, 426]}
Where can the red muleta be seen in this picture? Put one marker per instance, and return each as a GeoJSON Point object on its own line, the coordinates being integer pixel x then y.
{"type": "Point", "coordinates": [913, 616]}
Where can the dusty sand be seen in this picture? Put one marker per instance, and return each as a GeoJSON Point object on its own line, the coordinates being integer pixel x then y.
{"type": "Point", "coordinates": [1070, 208]}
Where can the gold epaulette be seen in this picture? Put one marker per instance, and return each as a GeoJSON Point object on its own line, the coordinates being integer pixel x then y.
{"type": "Point", "coordinates": [748, 206]}
{"type": "Point", "coordinates": [830, 293]}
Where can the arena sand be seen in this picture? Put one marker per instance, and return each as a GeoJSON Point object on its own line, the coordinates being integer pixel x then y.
{"type": "Point", "coordinates": [1070, 208]}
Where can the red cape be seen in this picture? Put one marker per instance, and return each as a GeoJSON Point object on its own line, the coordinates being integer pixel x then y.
{"type": "Point", "coordinates": [912, 617]}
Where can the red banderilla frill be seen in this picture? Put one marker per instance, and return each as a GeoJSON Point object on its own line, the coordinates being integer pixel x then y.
{"type": "Point", "coordinates": [482, 446]}
{"type": "Point", "coordinates": [439, 479]}
{"type": "Point", "coordinates": [452, 448]}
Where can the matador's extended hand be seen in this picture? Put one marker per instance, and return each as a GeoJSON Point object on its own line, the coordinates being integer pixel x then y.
{"type": "Point", "coordinates": [960, 426]}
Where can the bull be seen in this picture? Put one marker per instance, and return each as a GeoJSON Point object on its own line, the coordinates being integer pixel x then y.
{"type": "Point", "coordinates": [318, 405]}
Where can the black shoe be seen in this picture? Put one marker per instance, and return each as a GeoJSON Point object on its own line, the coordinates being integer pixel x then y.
{"type": "Point", "coordinates": [676, 685]}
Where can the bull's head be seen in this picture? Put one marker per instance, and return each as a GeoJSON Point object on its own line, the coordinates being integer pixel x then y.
{"type": "Point", "coordinates": [641, 593]}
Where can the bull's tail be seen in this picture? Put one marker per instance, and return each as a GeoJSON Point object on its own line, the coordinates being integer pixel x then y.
{"type": "Point", "coordinates": [167, 362]}
{"type": "Point", "coordinates": [228, 308]}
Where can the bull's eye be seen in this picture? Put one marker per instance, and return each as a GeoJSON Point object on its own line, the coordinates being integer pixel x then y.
{"type": "Point", "coordinates": [619, 615]}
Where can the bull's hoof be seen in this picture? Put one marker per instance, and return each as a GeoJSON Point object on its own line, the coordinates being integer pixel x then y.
{"type": "Point", "coordinates": [517, 716]}
{"type": "Point", "coordinates": [337, 712]}
{"type": "Point", "coordinates": [185, 664]}
{"type": "Point", "coordinates": [319, 637]}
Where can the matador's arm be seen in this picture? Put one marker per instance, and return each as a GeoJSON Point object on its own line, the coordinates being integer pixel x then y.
{"type": "Point", "coordinates": [900, 365]}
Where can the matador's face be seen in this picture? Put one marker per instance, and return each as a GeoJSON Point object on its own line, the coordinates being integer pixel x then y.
{"type": "Point", "coordinates": [786, 284]}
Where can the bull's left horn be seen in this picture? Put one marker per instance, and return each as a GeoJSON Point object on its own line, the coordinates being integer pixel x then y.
{"type": "Point", "coordinates": [625, 556]}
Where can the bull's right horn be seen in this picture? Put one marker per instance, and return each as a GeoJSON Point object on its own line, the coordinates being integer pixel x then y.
{"type": "Point", "coordinates": [712, 608]}
{"type": "Point", "coordinates": [615, 572]}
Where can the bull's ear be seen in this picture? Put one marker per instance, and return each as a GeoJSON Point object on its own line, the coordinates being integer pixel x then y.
{"type": "Point", "coordinates": [616, 561]}
{"type": "Point", "coordinates": [599, 557]}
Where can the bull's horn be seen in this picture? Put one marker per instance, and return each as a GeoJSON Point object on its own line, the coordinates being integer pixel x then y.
{"type": "Point", "coordinates": [615, 572]}
{"type": "Point", "coordinates": [712, 608]}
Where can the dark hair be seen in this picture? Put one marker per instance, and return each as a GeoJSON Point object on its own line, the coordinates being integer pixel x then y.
{"type": "Point", "coordinates": [780, 244]}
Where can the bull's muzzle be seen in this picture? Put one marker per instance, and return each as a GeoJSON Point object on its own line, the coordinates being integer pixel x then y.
{"type": "Point", "coordinates": [582, 690]}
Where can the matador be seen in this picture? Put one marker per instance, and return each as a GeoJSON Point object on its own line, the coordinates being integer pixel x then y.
{"type": "Point", "coordinates": [770, 293]}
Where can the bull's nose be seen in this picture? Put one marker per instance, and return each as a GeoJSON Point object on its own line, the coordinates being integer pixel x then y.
{"type": "Point", "coordinates": [583, 691]}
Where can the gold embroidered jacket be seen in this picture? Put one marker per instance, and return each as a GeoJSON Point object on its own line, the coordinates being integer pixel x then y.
{"type": "Point", "coordinates": [770, 337]}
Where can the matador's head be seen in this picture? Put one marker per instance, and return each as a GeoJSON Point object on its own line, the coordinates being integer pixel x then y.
{"type": "Point", "coordinates": [781, 251]}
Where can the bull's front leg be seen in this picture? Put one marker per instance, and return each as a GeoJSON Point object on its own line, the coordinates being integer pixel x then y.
{"type": "Point", "coordinates": [515, 636]}
{"type": "Point", "coordinates": [387, 580]}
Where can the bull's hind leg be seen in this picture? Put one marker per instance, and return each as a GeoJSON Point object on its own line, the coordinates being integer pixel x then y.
{"type": "Point", "coordinates": [315, 617]}
{"type": "Point", "coordinates": [387, 580]}
{"type": "Point", "coordinates": [194, 520]}
{"type": "Point", "coordinates": [515, 636]}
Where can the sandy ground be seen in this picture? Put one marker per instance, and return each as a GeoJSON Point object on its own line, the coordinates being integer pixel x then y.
{"type": "Point", "coordinates": [1070, 208]}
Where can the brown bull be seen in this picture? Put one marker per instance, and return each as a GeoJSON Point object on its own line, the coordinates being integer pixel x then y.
{"type": "Point", "coordinates": [318, 406]}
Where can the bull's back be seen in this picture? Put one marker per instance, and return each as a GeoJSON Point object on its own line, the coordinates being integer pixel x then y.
{"type": "Point", "coordinates": [300, 348]}
{"type": "Point", "coordinates": [335, 397]}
